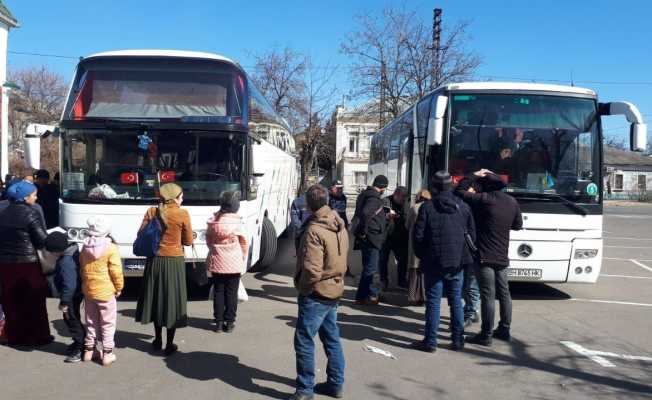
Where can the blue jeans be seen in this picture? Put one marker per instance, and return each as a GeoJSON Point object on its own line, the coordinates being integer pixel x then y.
{"type": "Point", "coordinates": [471, 291]}
{"type": "Point", "coordinates": [317, 317]}
{"type": "Point", "coordinates": [435, 285]}
{"type": "Point", "coordinates": [368, 286]}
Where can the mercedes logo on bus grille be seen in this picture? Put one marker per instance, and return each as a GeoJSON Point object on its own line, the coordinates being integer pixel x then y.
{"type": "Point", "coordinates": [525, 250]}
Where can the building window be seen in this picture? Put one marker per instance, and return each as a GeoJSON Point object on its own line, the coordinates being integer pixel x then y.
{"type": "Point", "coordinates": [353, 142]}
{"type": "Point", "coordinates": [360, 179]}
{"type": "Point", "coordinates": [642, 183]}
{"type": "Point", "coordinates": [618, 182]}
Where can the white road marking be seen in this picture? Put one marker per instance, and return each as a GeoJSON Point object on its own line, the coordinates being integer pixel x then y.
{"type": "Point", "coordinates": [599, 356]}
{"type": "Point", "coordinates": [629, 216]}
{"type": "Point", "coordinates": [626, 276]}
{"type": "Point", "coordinates": [641, 265]}
{"type": "Point", "coordinates": [624, 303]}
{"type": "Point", "coordinates": [626, 238]}
{"type": "Point", "coordinates": [588, 354]}
{"type": "Point", "coordinates": [621, 259]}
{"type": "Point", "coordinates": [629, 247]}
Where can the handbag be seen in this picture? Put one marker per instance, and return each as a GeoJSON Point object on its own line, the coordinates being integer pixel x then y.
{"type": "Point", "coordinates": [148, 239]}
{"type": "Point", "coordinates": [47, 260]}
{"type": "Point", "coordinates": [416, 287]}
{"type": "Point", "coordinates": [199, 273]}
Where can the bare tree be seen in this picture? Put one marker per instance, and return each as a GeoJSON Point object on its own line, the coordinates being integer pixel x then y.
{"type": "Point", "coordinates": [302, 93]}
{"type": "Point", "coordinates": [279, 74]}
{"type": "Point", "coordinates": [392, 53]}
{"type": "Point", "coordinates": [614, 141]}
{"type": "Point", "coordinates": [39, 100]}
{"type": "Point", "coordinates": [319, 99]}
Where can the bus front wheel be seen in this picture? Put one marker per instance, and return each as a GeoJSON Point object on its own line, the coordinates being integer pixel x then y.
{"type": "Point", "coordinates": [268, 245]}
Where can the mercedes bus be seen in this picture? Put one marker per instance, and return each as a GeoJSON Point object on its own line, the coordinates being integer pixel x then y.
{"type": "Point", "coordinates": [545, 141]}
{"type": "Point", "coordinates": [135, 120]}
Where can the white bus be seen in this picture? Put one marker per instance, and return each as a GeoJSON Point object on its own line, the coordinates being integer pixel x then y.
{"type": "Point", "coordinates": [210, 131]}
{"type": "Point", "coordinates": [546, 143]}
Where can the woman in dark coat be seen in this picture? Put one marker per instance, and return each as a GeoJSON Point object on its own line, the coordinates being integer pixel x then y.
{"type": "Point", "coordinates": [22, 283]}
{"type": "Point", "coordinates": [163, 296]}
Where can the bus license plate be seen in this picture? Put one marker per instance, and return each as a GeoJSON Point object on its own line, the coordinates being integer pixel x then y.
{"type": "Point", "coordinates": [525, 273]}
{"type": "Point", "coordinates": [134, 264]}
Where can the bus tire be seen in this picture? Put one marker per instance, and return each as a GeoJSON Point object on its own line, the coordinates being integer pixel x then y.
{"type": "Point", "coordinates": [268, 246]}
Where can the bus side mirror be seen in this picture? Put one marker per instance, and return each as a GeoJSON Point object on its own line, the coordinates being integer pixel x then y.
{"type": "Point", "coordinates": [637, 130]}
{"type": "Point", "coordinates": [638, 137]}
{"type": "Point", "coordinates": [254, 182]}
{"type": "Point", "coordinates": [435, 135]}
{"type": "Point", "coordinates": [32, 146]}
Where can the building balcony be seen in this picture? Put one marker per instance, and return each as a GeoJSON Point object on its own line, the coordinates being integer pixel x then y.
{"type": "Point", "coordinates": [356, 156]}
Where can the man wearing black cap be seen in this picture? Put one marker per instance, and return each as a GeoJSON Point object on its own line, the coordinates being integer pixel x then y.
{"type": "Point", "coordinates": [369, 228]}
{"type": "Point", "coordinates": [68, 283]}
{"type": "Point", "coordinates": [337, 200]}
{"type": "Point", "coordinates": [499, 213]}
{"type": "Point", "coordinates": [439, 240]}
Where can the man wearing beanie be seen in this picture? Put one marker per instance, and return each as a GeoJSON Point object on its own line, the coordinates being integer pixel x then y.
{"type": "Point", "coordinates": [369, 227]}
{"type": "Point", "coordinates": [439, 241]}
{"type": "Point", "coordinates": [500, 214]}
{"type": "Point", "coordinates": [68, 283]}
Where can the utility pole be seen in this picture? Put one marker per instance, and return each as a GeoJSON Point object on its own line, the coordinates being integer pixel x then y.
{"type": "Point", "coordinates": [436, 49]}
{"type": "Point", "coordinates": [383, 89]}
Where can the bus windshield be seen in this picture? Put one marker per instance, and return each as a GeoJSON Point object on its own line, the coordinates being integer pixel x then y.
{"type": "Point", "coordinates": [139, 89]}
{"type": "Point", "coordinates": [128, 166]}
{"type": "Point", "coordinates": [540, 145]}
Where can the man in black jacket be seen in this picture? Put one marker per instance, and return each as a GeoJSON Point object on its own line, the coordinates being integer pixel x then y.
{"type": "Point", "coordinates": [471, 290]}
{"type": "Point", "coordinates": [439, 242]}
{"type": "Point", "coordinates": [397, 238]}
{"type": "Point", "coordinates": [498, 214]}
{"type": "Point", "coordinates": [369, 225]}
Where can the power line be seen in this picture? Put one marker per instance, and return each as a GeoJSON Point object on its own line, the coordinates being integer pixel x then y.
{"type": "Point", "coordinates": [336, 66]}
{"type": "Point", "coordinates": [24, 53]}
{"type": "Point", "coordinates": [523, 79]}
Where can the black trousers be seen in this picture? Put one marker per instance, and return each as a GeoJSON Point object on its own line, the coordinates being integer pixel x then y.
{"type": "Point", "coordinates": [400, 250]}
{"type": "Point", "coordinates": [72, 319]}
{"type": "Point", "coordinates": [225, 299]}
{"type": "Point", "coordinates": [494, 285]}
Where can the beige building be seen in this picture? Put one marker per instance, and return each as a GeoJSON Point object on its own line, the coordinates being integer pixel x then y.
{"type": "Point", "coordinates": [7, 21]}
{"type": "Point", "coordinates": [353, 131]}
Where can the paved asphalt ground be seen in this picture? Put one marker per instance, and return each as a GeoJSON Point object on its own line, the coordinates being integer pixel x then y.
{"type": "Point", "coordinates": [257, 360]}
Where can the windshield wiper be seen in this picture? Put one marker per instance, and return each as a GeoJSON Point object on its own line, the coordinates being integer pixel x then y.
{"type": "Point", "coordinates": [549, 196]}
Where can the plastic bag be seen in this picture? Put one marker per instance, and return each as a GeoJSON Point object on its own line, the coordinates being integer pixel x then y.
{"type": "Point", "coordinates": [102, 192]}
{"type": "Point", "coordinates": [242, 293]}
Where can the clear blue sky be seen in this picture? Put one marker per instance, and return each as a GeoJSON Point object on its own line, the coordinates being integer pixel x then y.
{"type": "Point", "coordinates": [598, 40]}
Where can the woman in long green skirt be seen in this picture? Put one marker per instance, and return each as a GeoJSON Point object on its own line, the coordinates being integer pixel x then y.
{"type": "Point", "coordinates": [163, 295]}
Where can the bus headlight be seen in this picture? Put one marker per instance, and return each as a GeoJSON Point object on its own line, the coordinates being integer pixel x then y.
{"type": "Point", "coordinates": [77, 234]}
{"type": "Point", "coordinates": [73, 233]}
{"type": "Point", "coordinates": [83, 234]}
{"type": "Point", "coordinates": [583, 254]}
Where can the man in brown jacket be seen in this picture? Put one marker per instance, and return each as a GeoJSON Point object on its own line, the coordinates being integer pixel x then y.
{"type": "Point", "coordinates": [319, 278]}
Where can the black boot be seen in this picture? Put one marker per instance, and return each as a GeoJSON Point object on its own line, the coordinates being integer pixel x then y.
{"type": "Point", "coordinates": [326, 389]}
{"type": "Point", "coordinates": [482, 338]}
{"type": "Point", "coordinates": [502, 333]}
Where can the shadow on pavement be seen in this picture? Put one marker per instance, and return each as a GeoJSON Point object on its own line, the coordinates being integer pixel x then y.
{"type": "Point", "coordinates": [193, 322]}
{"type": "Point", "coordinates": [621, 384]}
{"type": "Point", "coordinates": [358, 328]}
{"type": "Point", "coordinates": [535, 291]}
{"type": "Point", "coordinates": [204, 366]}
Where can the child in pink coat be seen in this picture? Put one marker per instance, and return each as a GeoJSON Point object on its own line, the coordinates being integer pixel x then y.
{"type": "Point", "coordinates": [227, 259]}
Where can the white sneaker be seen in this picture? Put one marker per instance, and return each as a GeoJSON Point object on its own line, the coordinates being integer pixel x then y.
{"type": "Point", "coordinates": [108, 359]}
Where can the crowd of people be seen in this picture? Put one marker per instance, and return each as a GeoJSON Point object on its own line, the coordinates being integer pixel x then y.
{"type": "Point", "coordinates": [453, 240]}
{"type": "Point", "coordinates": [438, 248]}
